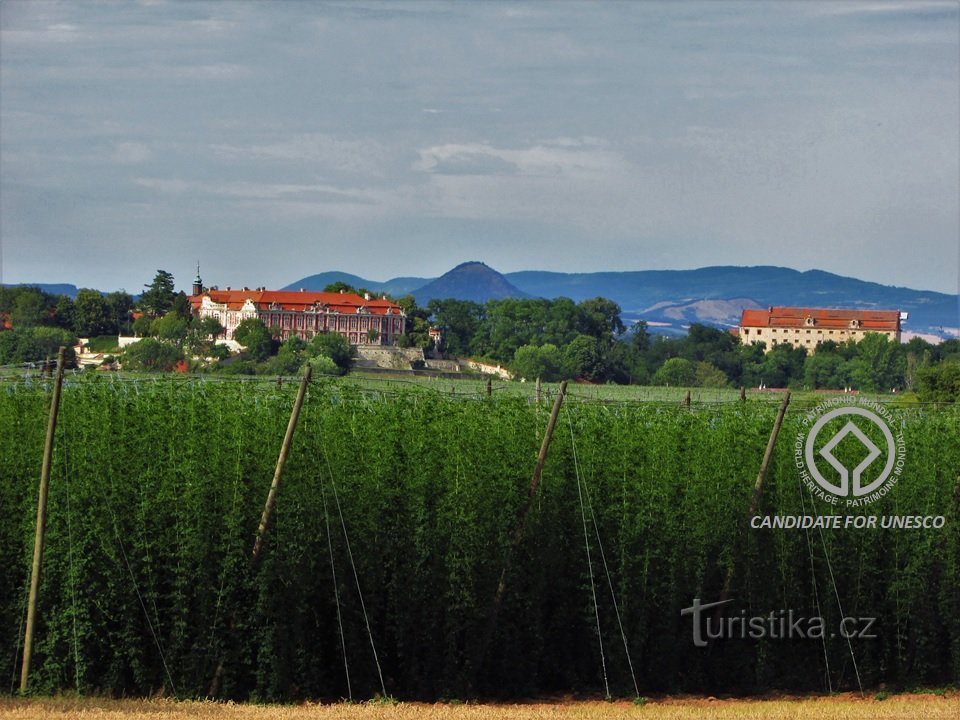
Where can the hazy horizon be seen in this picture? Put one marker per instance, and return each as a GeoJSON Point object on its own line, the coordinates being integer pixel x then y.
{"type": "Point", "coordinates": [275, 140]}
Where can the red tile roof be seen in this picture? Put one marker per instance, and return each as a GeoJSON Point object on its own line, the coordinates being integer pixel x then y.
{"type": "Point", "coordinates": [298, 301]}
{"type": "Point", "coordinates": [792, 317]}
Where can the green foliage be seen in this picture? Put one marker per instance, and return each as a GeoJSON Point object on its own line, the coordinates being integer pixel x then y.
{"type": "Point", "coordinates": [709, 376]}
{"type": "Point", "coordinates": [545, 362]}
{"type": "Point", "coordinates": [334, 346]}
{"type": "Point", "coordinates": [675, 372]}
{"type": "Point", "coordinates": [158, 485]}
{"type": "Point", "coordinates": [90, 314]}
{"type": "Point", "coordinates": [32, 344]}
{"type": "Point", "coordinates": [159, 295]}
{"type": "Point", "coordinates": [152, 355]}
{"type": "Point", "coordinates": [171, 327]}
{"type": "Point", "coordinates": [255, 338]}
{"type": "Point", "coordinates": [940, 383]}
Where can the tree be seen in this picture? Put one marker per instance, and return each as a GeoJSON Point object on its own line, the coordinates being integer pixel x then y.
{"type": "Point", "coordinates": [63, 314]}
{"type": "Point", "coordinates": [158, 297]}
{"type": "Point", "coordinates": [119, 304]}
{"type": "Point", "coordinates": [940, 382]}
{"type": "Point", "coordinates": [202, 336]}
{"type": "Point", "coordinates": [255, 338]}
{"type": "Point", "coordinates": [675, 372]}
{"type": "Point", "coordinates": [91, 316]}
{"type": "Point", "coordinates": [29, 308]}
{"type": "Point", "coordinates": [340, 286]}
{"type": "Point", "coordinates": [171, 327]}
{"type": "Point", "coordinates": [458, 320]}
{"type": "Point", "coordinates": [600, 318]}
{"type": "Point", "coordinates": [335, 347]}
{"type": "Point", "coordinates": [544, 362]}
{"type": "Point", "coordinates": [150, 354]}
{"type": "Point", "coordinates": [709, 376]}
{"type": "Point", "coordinates": [289, 358]}
{"type": "Point", "coordinates": [583, 358]}
{"type": "Point", "coordinates": [142, 326]}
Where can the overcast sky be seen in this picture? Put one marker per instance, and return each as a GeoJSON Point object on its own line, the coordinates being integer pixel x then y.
{"type": "Point", "coordinates": [273, 140]}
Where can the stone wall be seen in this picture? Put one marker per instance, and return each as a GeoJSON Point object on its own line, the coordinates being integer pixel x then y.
{"type": "Point", "coordinates": [390, 357]}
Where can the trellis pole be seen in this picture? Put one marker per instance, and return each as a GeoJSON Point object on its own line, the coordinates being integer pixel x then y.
{"type": "Point", "coordinates": [41, 521]}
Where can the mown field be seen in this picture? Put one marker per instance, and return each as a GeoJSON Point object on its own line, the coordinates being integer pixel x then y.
{"type": "Point", "coordinates": [395, 522]}
{"type": "Point", "coordinates": [899, 707]}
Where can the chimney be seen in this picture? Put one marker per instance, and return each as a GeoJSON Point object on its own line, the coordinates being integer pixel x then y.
{"type": "Point", "coordinates": [302, 290]}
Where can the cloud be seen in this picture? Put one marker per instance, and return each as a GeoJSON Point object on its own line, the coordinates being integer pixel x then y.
{"type": "Point", "coordinates": [363, 156]}
{"type": "Point", "coordinates": [563, 156]}
{"type": "Point", "coordinates": [131, 152]}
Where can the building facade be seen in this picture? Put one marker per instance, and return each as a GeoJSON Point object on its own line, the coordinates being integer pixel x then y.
{"type": "Point", "coordinates": [361, 320]}
{"type": "Point", "coordinates": [809, 327]}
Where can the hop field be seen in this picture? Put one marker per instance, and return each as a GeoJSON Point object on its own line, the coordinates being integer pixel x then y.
{"type": "Point", "coordinates": [395, 521]}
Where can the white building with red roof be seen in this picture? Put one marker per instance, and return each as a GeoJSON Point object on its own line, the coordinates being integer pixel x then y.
{"type": "Point", "coordinates": [809, 327]}
{"type": "Point", "coordinates": [361, 320]}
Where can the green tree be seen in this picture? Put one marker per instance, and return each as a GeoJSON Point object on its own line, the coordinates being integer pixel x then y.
{"type": "Point", "coordinates": [64, 313]}
{"type": "Point", "coordinates": [158, 297]}
{"type": "Point", "coordinates": [940, 382]}
{"type": "Point", "coordinates": [334, 346]}
{"type": "Point", "coordinates": [583, 358]}
{"type": "Point", "coordinates": [600, 318]}
{"type": "Point", "coordinates": [675, 372]}
{"type": "Point", "coordinates": [544, 362]}
{"type": "Point", "coordinates": [458, 320]}
{"type": "Point", "coordinates": [150, 354]}
{"type": "Point", "coordinates": [91, 316]}
{"type": "Point", "coordinates": [255, 338]}
{"type": "Point", "coordinates": [202, 336]}
{"type": "Point", "coordinates": [289, 358]}
{"type": "Point", "coordinates": [171, 327]}
{"type": "Point", "coordinates": [142, 326]}
{"type": "Point", "coordinates": [709, 376]}
{"type": "Point", "coordinates": [340, 286]}
{"type": "Point", "coordinates": [823, 369]}
{"type": "Point", "coordinates": [119, 304]}
{"type": "Point", "coordinates": [29, 308]}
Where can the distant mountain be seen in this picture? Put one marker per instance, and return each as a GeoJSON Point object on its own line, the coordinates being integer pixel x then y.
{"type": "Point", "coordinates": [395, 288]}
{"type": "Point", "coordinates": [672, 299]}
{"type": "Point", "coordinates": [52, 288]}
{"type": "Point", "coordinates": [469, 281]}
{"type": "Point", "coordinates": [716, 295]}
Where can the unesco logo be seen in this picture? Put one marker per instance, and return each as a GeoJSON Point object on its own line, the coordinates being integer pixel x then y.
{"type": "Point", "coordinates": [854, 483]}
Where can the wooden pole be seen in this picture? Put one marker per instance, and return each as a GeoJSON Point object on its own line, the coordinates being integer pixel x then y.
{"type": "Point", "coordinates": [489, 387]}
{"type": "Point", "coordinates": [758, 485]}
{"type": "Point", "coordinates": [538, 390]}
{"type": "Point", "coordinates": [41, 522]}
{"type": "Point", "coordinates": [281, 460]}
{"type": "Point", "coordinates": [686, 399]}
{"type": "Point", "coordinates": [743, 394]}
{"type": "Point", "coordinates": [521, 526]}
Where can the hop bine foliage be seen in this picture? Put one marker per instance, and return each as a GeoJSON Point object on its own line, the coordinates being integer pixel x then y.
{"type": "Point", "coordinates": [158, 485]}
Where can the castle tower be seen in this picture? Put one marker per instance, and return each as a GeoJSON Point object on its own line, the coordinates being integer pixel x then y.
{"type": "Point", "coordinates": [197, 282]}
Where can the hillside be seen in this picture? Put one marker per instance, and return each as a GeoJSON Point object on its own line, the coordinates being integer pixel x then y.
{"type": "Point", "coordinates": [672, 299]}
{"type": "Point", "coordinates": [469, 281]}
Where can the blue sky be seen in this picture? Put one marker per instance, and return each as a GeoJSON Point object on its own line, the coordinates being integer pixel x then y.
{"type": "Point", "coordinates": [275, 140]}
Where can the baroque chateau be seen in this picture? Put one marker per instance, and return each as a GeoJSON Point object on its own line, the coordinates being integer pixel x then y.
{"type": "Point", "coordinates": [362, 320]}
{"type": "Point", "coordinates": [809, 327]}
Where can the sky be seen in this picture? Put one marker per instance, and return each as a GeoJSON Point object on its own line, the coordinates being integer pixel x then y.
{"type": "Point", "coordinates": [273, 140]}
